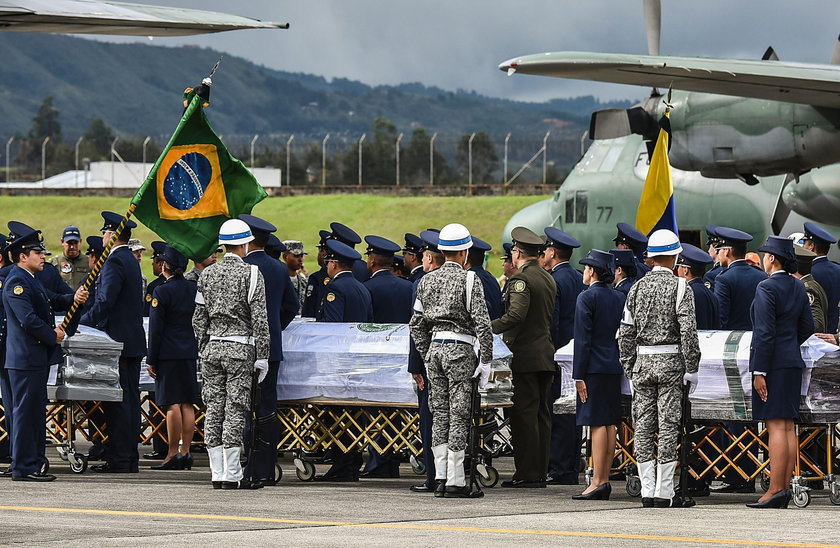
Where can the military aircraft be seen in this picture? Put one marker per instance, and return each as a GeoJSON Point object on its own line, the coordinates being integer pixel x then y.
{"type": "Point", "coordinates": [118, 18]}
{"type": "Point", "coordinates": [766, 122]}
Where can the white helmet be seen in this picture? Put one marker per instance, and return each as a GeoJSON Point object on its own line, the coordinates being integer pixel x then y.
{"type": "Point", "coordinates": [455, 237]}
{"type": "Point", "coordinates": [235, 232]}
{"type": "Point", "coordinates": [797, 237]}
{"type": "Point", "coordinates": [663, 242]}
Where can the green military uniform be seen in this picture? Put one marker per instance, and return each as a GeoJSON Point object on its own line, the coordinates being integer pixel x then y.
{"type": "Point", "coordinates": [73, 271]}
{"type": "Point", "coordinates": [819, 303]}
{"type": "Point", "coordinates": [526, 329]}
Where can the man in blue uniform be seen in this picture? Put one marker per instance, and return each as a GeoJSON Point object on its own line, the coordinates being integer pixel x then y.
{"type": "Point", "coordinates": [348, 236]}
{"type": "Point", "coordinates": [413, 256]}
{"type": "Point", "coordinates": [5, 389]}
{"type": "Point", "coordinates": [826, 273]}
{"type": "Point", "coordinates": [159, 447]}
{"type": "Point", "coordinates": [55, 287]}
{"type": "Point", "coordinates": [492, 292]}
{"type": "Point", "coordinates": [713, 241]}
{"type": "Point", "coordinates": [317, 282]}
{"type": "Point", "coordinates": [33, 345]}
{"type": "Point", "coordinates": [630, 238]}
{"type": "Point", "coordinates": [626, 270]}
{"type": "Point", "coordinates": [390, 295]}
{"type": "Point", "coordinates": [564, 454]}
{"type": "Point", "coordinates": [118, 310]}
{"type": "Point", "coordinates": [282, 305]}
{"type": "Point", "coordinates": [346, 300]}
{"type": "Point", "coordinates": [691, 265]}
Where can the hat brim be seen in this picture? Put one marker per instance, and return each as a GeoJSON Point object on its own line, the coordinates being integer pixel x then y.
{"type": "Point", "coordinates": [666, 253]}
{"type": "Point", "coordinates": [459, 247]}
{"type": "Point", "coordinates": [72, 238]}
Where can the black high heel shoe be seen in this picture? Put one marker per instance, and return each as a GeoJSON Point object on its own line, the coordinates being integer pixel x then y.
{"type": "Point", "coordinates": [175, 463]}
{"type": "Point", "coordinates": [188, 461]}
{"type": "Point", "coordinates": [779, 500]}
{"type": "Point", "coordinates": [601, 492]}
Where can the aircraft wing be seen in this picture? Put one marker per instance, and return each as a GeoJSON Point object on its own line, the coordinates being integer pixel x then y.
{"type": "Point", "coordinates": [105, 17]}
{"type": "Point", "coordinates": [809, 84]}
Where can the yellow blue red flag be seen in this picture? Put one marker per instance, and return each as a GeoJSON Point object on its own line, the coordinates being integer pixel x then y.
{"type": "Point", "coordinates": [656, 206]}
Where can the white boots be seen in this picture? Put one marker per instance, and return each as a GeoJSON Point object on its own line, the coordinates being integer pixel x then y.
{"type": "Point", "coordinates": [647, 473]}
{"type": "Point", "coordinates": [217, 465]}
{"type": "Point", "coordinates": [455, 469]}
{"type": "Point", "coordinates": [439, 453]}
{"type": "Point", "coordinates": [226, 469]}
{"type": "Point", "coordinates": [233, 467]}
{"type": "Point", "coordinates": [658, 484]}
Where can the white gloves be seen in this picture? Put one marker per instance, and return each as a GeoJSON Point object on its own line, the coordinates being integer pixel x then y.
{"type": "Point", "coordinates": [261, 368]}
{"type": "Point", "coordinates": [691, 380]}
{"type": "Point", "coordinates": [483, 374]}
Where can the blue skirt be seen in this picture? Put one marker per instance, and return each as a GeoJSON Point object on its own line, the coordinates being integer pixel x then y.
{"type": "Point", "coordinates": [783, 388]}
{"type": "Point", "coordinates": [603, 405]}
{"type": "Point", "coordinates": [176, 382]}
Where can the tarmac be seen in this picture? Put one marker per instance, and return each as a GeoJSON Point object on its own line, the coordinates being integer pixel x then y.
{"type": "Point", "coordinates": [160, 508]}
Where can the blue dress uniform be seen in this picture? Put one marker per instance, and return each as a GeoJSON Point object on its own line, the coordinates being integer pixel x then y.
{"type": "Point", "coordinates": [705, 302]}
{"type": "Point", "coordinates": [596, 362]}
{"type": "Point", "coordinates": [30, 351]}
{"type": "Point", "coordinates": [5, 387]}
{"type": "Point", "coordinates": [348, 236]}
{"type": "Point", "coordinates": [782, 321]}
{"type": "Point", "coordinates": [282, 304]}
{"type": "Point", "coordinates": [632, 239]}
{"type": "Point", "coordinates": [414, 245]}
{"type": "Point", "coordinates": [160, 448]}
{"type": "Point", "coordinates": [390, 295]}
{"type": "Point", "coordinates": [118, 310]}
{"type": "Point", "coordinates": [735, 286]}
{"type": "Point", "coordinates": [625, 259]}
{"type": "Point", "coordinates": [316, 284]}
{"type": "Point", "coordinates": [157, 249]}
{"type": "Point", "coordinates": [826, 273]}
{"type": "Point", "coordinates": [564, 452]}
{"type": "Point", "coordinates": [55, 287]}
{"type": "Point", "coordinates": [713, 241]}
{"type": "Point", "coordinates": [492, 292]}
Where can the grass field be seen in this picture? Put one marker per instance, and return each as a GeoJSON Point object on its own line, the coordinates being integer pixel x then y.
{"type": "Point", "coordinates": [297, 218]}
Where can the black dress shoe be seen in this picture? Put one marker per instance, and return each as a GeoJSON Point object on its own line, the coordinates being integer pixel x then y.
{"type": "Point", "coordinates": [730, 488]}
{"type": "Point", "coordinates": [696, 490]}
{"type": "Point", "coordinates": [106, 468]}
{"type": "Point", "coordinates": [381, 472]}
{"type": "Point", "coordinates": [563, 480]}
{"type": "Point", "coordinates": [268, 482]}
{"type": "Point", "coordinates": [452, 492]}
{"type": "Point", "coordinates": [647, 502]}
{"type": "Point", "coordinates": [7, 473]}
{"type": "Point", "coordinates": [779, 500]}
{"type": "Point", "coordinates": [676, 502]}
{"type": "Point", "coordinates": [155, 455]}
{"type": "Point", "coordinates": [175, 463]}
{"type": "Point", "coordinates": [523, 484]}
{"type": "Point", "coordinates": [37, 476]}
{"type": "Point", "coordinates": [217, 485]}
{"type": "Point", "coordinates": [440, 488]}
{"type": "Point", "coordinates": [422, 488]}
{"type": "Point", "coordinates": [188, 461]}
{"type": "Point", "coordinates": [602, 492]}
{"type": "Point", "coordinates": [336, 478]}
{"type": "Point", "coordinates": [242, 484]}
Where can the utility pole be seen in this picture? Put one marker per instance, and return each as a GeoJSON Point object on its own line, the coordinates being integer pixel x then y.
{"type": "Point", "coordinates": [289, 160]}
{"type": "Point", "coordinates": [361, 140]}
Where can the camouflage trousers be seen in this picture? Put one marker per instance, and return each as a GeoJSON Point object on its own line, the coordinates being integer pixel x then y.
{"type": "Point", "coordinates": [449, 367]}
{"type": "Point", "coordinates": [226, 370]}
{"type": "Point", "coordinates": [657, 408]}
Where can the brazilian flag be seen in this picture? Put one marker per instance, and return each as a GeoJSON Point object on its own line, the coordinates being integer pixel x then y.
{"type": "Point", "coordinates": [195, 186]}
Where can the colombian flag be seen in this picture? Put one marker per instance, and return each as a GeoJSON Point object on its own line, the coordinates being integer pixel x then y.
{"type": "Point", "coordinates": [195, 186]}
{"type": "Point", "coordinates": [656, 206]}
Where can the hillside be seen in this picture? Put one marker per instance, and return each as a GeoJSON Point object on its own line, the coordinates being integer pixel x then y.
{"type": "Point", "coordinates": [136, 89]}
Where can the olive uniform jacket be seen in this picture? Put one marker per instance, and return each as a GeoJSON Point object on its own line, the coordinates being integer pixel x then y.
{"type": "Point", "coordinates": [526, 324]}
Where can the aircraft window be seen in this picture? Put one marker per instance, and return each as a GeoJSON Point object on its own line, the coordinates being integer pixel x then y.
{"type": "Point", "coordinates": [570, 208]}
{"type": "Point", "coordinates": [581, 206]}
{"type": "Point", "coordinates": [594, 157]}
{"type": "Point", "coordinates": [611, 159]}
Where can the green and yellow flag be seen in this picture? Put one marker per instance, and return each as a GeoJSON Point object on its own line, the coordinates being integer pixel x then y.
{"type": "Point", "coordinates": [195, 186]}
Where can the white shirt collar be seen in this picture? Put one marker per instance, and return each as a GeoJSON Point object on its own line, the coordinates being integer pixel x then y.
{"type": "Point", "coordinates": [416, 268]}
{"type": "Point", "coordinates": [379, 272]}
{"type": "Point", "coordinates": [658, 268]}
{"type": "Point", "coordinates": [116, 247]}
{"type": "Point", "coordinates": [342, 272]}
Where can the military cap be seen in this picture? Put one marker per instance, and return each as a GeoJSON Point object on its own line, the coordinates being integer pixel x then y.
{"type": "Point", "coordinates": [95, 245]}
{"type": "Point", "coordinates": [804, 253]}
{"type": "Point", "coordinates": [693, 257]}
{"type": "Point", "coordinates": [2, 241]}
{"type": "Point", "coordinates": [711, 233]}
{"type": "Point", "coordinates": [779, 246]}
{"type": "Point", "coordinates": [506, 255]}
{"type": "Point", "coordinates": [345, 234]}
{"type": "Point", "coordinates": [323, 236]}
{"type": "Point", "coordinates": [157, 248]}
{"type": "Point", "coordinates": [730, 236]}
{"type": "Point", "coordinates": [399, 260]}
{"type": "Point", "coordinates": [23, 237]}
{"type": "Point", "coordinates": [413, 244]}
{"type": "Point", "coordinates": [559, 239]}
{"type": "Point", "coordinates": [625, 257]}
{"type": "Point", "coordinates": [630, 236]}
{"type": "Point", "coordinates": [814, 232]}
{"type": "Point", "coordinates": [380, 246]}
{"type": "Point", "coordinates": [481, 245]}
{"type": "Point", "coordinates": [113, 220]}
{"type": "Point", "coordinates": [257, 225]}
{"type": "Point", "coordinates": [71, 234]}
{"type": "Point", "coordinates": [295, 247]}
{"type": "Point", "coordinates": [134, 244]}
{"type": "Point", "coordinates": [274, 247]}
{"type": "Point", "coordinates": [600, 259]}
{"type": "Point", "coordinates": [174, 257]}
{"type": "Point", "coordinates": [339, 251]}
{"type": "Point", "coordinates": [430, 240]}
{"type": "Point", "coordinates": [526, 238]}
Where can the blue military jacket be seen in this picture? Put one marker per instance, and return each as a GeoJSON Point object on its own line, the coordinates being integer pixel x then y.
{"type": "Point", "coordinates": [597, 315]}
{"type": "Point", "coordinates": [150, 291]}
{"type": "Point", "coordinates": [3, 273]}
{"type": "Point", "coordinates": [30, 343]}
{"type": "Point", "coordinates": [346, 300]}
{"type": "Point", "coordinates": [316, 288]}
{"type": "Point", "coordinates": [360, 271]}
{"type": "Point", "coordinates": [569, 285]}
{"type": "Point", "coordinates": [782, 320]}
{"type": "Point", "coordinates": [390, 297]}
{"type": "Point", "coordinates": [735, 290]}
{"type": "Point", "coordinates": [171, 335]}
{"type": "Point", "coordinates": [705, 305]}
{"type": "Point", "coordinates": [55, 287]}
{"type": "Point", "coordinates": [624, 285]}
{"type": "Point", "coordinates": [416, 274]}
{"type": "Point", "coordinates": [710, 276]}
{"type": "Point", "coordinates": [827, 275]}
{"type": "Point", "coordinates": [492, 293]}
{"type": "Point", "coordinates": [281, 299]}
{"type": "Point", "coordinates": [641, 269]}
{"type": "Point", "coordinates": [118, 308]}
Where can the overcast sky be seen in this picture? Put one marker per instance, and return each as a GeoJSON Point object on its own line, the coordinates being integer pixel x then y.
{"type": "Point", "coordinates": [458, 44]}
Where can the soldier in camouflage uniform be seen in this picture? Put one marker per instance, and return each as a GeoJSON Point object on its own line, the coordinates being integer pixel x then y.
{"type": "Point", "coordinates": [816, 294]}
{"type": "Point", "coordinates": [231, 328]}
{"type": "Point", "coordinates": [659, 352]}
{"type": "Point", "coordinates": [446, 324]}
{"type": "Point", "coordinates": [293, 257]}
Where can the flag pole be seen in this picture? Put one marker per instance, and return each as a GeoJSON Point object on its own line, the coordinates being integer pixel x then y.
{"type": "Point", "coordinates": [98, 266]}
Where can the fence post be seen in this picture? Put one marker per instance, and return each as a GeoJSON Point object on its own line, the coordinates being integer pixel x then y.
{"type": "Point", "coordinates": [145, 144]}
{"type": "Point", "coordinates": [76, 164]}
{"type": "Point", "coordinates": [289, 160]}
{"type": "Point", "coordinates": [361, 140]}
{"type": "Point", "coordinates": [504, 176]}
{"type": "Point", "coordinates": [399, 140]}
{"type": "Point", "coordinates": [44, 159]}
{"type": "Point", "coordinates": [432, 159]}
{"type": "Point", "coordinates": [113, 161]}
{"type": "Point", "coordinates": [545, 155]}
{"type": "Point", "coordinates": [8, 148]}
{"type": "Point", "coordinates": [253, 142]}
{"type": "Point", "coordinates": [469, 161]}
{"type": "Point", "coordinates": [324, 160]}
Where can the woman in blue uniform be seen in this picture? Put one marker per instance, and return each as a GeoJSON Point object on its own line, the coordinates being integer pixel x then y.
{"type": "Point", "coordinates": [597, 369]}
{"type": "Point", "coordinates": [781, 317]}
{"type": "Point", "coordinates": [172, 357]}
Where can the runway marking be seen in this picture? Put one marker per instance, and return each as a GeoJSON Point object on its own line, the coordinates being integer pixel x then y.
{"type": "Point", "coordinates": [409, 526]}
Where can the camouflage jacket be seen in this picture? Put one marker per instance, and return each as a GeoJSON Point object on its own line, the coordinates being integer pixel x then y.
{"type": "Point", "coordinates": [441, 306]}
{"type": "Point", "coordinates": [818, 301]}
{"type": "Point", "coordinates": [222, 308]}
{"type": "Point", "coordinates": [299, 282]}
{"type": "Point", "coordinates": [651, 318]}
{"type": "Point", "coordinates": [193, 275]}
